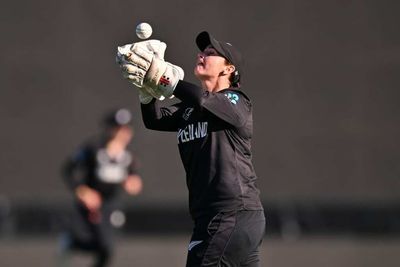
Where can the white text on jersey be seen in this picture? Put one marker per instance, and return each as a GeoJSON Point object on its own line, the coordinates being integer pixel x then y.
{"type": "Point", "coordinates": [192, 131]}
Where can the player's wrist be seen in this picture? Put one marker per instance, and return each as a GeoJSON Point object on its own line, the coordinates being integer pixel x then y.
{"type": "Point", "coordinates": [81, 190]}
{"type": "Point", "coordinates": [162, 78]}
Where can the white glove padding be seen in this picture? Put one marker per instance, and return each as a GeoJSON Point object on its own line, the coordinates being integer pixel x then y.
{"type": "Point", "coordinates": [142, 63]}
{"type": "Point", "coordinates": [130, 72]}
{"type": "Point", "coordinates": [135, 60]}
{"type": "Point", "coordinates": [134, 67]}
{"type": "Point", "coordinates": [155, 46]}
{"type": "Point", "coordinates": [163, 77]}
{"type": "Point", "coordinates": [144, 96]}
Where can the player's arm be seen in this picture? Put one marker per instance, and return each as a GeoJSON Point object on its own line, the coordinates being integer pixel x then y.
{"type": "Point", "coordinates": [145, 69]}
{"type": "Point", "coordinates": [160, 118]}
{"type": "Point", "coordinates": [73, 169]}
{"type": "Point", "coordinates": [74, 172]}
{"type": "Point", "coordinates": [230, 106]}
{"type": "Point", "coordinates": [133, 184]}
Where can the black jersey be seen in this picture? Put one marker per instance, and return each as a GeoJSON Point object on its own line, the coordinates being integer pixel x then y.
{"type": "Point", "coordinates": [214, 132]}
{"type": "Point", "coordinates": [92, 166]}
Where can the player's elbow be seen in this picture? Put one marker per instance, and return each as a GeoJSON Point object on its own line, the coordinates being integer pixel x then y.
{"type": "Point", "coordinates": [149, 124]}
{"type": "Point", "coordinates": [239, 121]}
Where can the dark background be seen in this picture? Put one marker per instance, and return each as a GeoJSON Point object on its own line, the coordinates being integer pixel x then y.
{"type": "Point", "coordinates": [323, 77]}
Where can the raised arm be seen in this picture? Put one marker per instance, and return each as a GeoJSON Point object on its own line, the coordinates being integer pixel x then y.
{"type": "Point", "coordinates": [160, 118]}
{"type": "Point", "coordinates": [231, 106]}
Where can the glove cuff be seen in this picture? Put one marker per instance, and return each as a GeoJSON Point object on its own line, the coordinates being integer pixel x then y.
{"type": "Point", "coordinates": [169, 79]}
{"type": "Point", "coordinates": [144, 97]}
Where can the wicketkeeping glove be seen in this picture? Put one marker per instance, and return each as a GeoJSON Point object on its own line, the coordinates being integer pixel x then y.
{"type": "Point", "coordinates": [163, 77]}
{"type": "Point", "coordinates": [144, 68]}
{"type": "Point", "coordinates": [134, 73]}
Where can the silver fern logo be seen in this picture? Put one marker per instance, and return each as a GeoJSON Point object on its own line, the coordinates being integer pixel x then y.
{"type": "Point", "coordinates": [187, 113]}
{"type": "Point", "coordinates": [234, 98]}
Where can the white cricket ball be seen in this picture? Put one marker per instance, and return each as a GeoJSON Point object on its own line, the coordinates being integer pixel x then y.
{"type": "Point", "coordinates": [144, 30]}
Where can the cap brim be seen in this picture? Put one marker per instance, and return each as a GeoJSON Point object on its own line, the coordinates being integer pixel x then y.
{"type": "Point", "coordinates": [204, 39]}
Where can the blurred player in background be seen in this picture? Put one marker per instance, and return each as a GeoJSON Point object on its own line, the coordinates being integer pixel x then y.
{"type": "Point", "coordinates": [95, 175]}
{"type": "Point", "coordinates": [214, 126]}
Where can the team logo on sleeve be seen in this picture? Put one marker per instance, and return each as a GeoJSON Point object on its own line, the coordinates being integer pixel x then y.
{"type": "Point", "coordinates": [234, 98]}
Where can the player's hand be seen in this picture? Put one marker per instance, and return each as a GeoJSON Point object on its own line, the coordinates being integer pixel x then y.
{"type": "Point", "coordinates": [133, 185]}
{"type": "Point", "coordinates": [89, 197]}
{"type": "Point", "coordinates": [143, 64]}
{"type": "Point", "coordinates": [135, 60]}
{"type": "Point", "coordinates": [162, 77]}
{"type": "Point", "coordinates": [154, 47]}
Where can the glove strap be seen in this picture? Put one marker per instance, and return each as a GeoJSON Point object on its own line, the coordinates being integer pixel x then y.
{"type": "Point", "coordinates": [170, 79]}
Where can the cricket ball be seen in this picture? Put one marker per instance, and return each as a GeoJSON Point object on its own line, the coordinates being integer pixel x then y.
{"type": "Point", "coordinates": [143, 30]}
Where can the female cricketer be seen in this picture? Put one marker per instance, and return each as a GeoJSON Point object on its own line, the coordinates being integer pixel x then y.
{"type": "Point", "coordinates": [214, 128]}
{"type": "Point", "coordinates": [96, 175]}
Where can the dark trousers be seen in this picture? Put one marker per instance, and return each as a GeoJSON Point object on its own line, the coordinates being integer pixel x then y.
{"type": "Point", "coordinates": [93, 235]}
{"type": "Point", "coordinates": [229, 239]}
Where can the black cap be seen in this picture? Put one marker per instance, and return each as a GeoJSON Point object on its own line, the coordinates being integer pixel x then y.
{"type": "Point", "coordinates": [118, 117]}
{"type": "Point", "coordinates": [227, 50]}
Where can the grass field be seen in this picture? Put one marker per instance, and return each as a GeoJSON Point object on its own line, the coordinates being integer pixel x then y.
{"type": "Point", "coordinates": [170, 251]}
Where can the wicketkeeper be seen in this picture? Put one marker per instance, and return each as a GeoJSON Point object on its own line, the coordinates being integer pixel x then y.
{"type": "Point", "coordinates": [214, 126]}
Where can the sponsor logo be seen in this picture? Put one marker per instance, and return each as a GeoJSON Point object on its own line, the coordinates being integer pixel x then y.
{"type": "Point", "coordinates": [164, 81]}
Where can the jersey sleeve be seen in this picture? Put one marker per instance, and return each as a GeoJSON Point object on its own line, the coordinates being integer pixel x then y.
{"type": "Point", "coordinates": [160, 118]}
{"type": "Point", "coordinates": [231, 106]}
{"type": "Point", "coordinates": [75, 168]}
{"type": "Point", "coordinates": [133, 168]}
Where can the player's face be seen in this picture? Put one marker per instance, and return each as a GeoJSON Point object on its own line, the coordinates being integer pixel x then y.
{"type": "Point", "coordinates": [209, 64]}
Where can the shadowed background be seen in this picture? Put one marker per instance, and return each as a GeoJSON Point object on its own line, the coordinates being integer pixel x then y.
{"type": "Point", "coordinates": [323, 77]}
